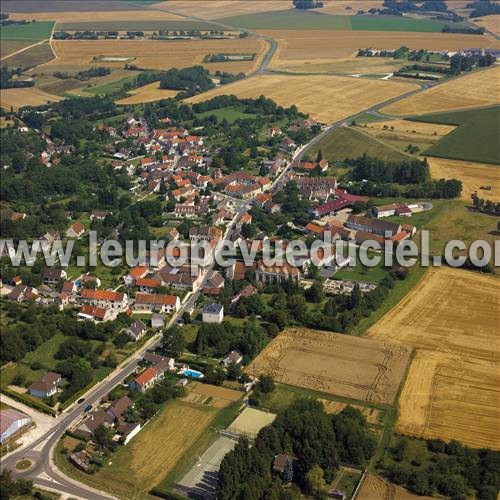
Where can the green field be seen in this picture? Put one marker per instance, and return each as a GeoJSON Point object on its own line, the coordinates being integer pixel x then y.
{"type": "Point", "coordinates": [15, 37]}
{"type": "Point", "coordinates": [44, 353]}
{"type": "Point", "coordinates": [293, 19]}
{"type": "Point", "coordinates": [109, 88]}
{"type": "Point", "coordinates": [137, 26]}
{"type": "Point", "coordinates": [475, 139]}
{"type": "Point", "coordinates": [347, 142]}
{"type": "Point", "coordinates": [230, 114]}
{"type": "Point", "coordinates": [32, 31]}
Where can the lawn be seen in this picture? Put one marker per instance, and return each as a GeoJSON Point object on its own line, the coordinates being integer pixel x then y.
{"type": "Point", "coordinates": [349, 479]}
{"type": "Point", "coordinates": [475, 139]}
{"type": "Point", "coordinates": [229, 114]}
{"type": "Point", "coordinates": [347, 142]}
{"type": "Point", "coordinates": [44, 353]}
{"type": "Point", "coordinates": [293, 19]}
{"type": "Point", "coordinates": [362, 273]}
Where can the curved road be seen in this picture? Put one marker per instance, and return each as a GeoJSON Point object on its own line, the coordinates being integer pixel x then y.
{"type": "Point", "coordinates": [44, 472]}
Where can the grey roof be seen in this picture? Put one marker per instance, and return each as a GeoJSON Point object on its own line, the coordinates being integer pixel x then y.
{"type": "Point", "coordinates": [213, 308]}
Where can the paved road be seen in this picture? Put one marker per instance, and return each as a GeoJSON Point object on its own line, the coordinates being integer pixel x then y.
{"type": "Point", "coordinates": [44, 472]}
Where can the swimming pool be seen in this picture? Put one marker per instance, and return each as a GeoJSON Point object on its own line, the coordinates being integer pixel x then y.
{"type": "Point", "coordinates": [192, 373]}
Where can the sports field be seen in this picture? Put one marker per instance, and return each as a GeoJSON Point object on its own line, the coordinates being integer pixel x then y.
{"type": "Point", "coordinates": [250, 421]}
{"type": "Point", "coordinates": [147, 93]}
{"type": "Point", "coordinates": [451, 317]}
{"type": "Point", "coordinates": [475, 139]}
{"type": "Point", "coordinates": [474, 176]}
{"type": "Point", "coordinates": [153, 54]}
{"type": "Point", "coordinates": [337, 364]}
{"type": "Point", "coordinates": [28, 96]}
{"type": "Point", "coordinates": [312, 20]}
{"type": "Point", "coordinates": [470, 91]}
{"type": "Point", "coordinates": [352, 142]}
{"type": "Point", "coordinates": [326, 98]}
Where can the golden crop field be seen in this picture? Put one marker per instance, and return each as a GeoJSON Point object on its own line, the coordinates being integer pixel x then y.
{"type": "Point", "coordinates": [142, 464]}
{"type": "Point", "coordinates": [473, 176]}
{"type": "Point", "coordinates": [117, 15]}
{"type": "Point", "coordinates": [154, 54]}
{"type": "Point", "coordinates": [28, 96]}
{"type": "Point", "coordinates": [470, 91]}
{"type": "Point", "coordinates": [211, 395]}
{"type": "Point", "coordinates": [376, 488]}
{"type": "Point", "coordinates": [490, 23]}
{"type": "Point", "coordinates": [451, 317]}
{"type": "Point", "coordinates": [326, 98]}
{"type": "Point", "coordinates": [221, 8]}
{"type": "Point", "coordinates": [300, 46]}
{"type": "Point", "coordinates": [348, 7]}
{"type": "Point", "coordinates": [147, 93]}
{"type": "Point", "coordinates": [333, 363]}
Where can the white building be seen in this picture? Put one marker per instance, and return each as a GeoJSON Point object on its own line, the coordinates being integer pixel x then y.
{"type": "Point", "coordinates": [11, 422]}
{"type": "Point", "coordinates": [213, 313]}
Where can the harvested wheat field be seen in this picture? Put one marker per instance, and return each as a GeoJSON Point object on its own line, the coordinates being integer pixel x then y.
{"type": "Point", "coordinates": [376, 488]}
{"type": "Point", "coordinates": [221, 8]}
{"type": "Point", "coordinates": [452, 318]}
{"type": "Point", "coordinates": [211, 395]}
{"type": "Point", "coordinates": [333, 363]}
{"type": "Point", "coordinates": [117, 15]}
{"type": "Point", "coordinates": [326, 98]}
{"type": "Point", "coordinates": [300, 46]}
{"type": "Point", "coordinates": [348, 7]}
{"type": "Point", "coordinates": [28, 96]}
{"type": "Point", "coordinates": [147, 93]}
{"type": "Point", "coordinates": [154, 54]}
{"type": "Point", "coordinates": [490, 23]}
{"type": "Point", "coordinates": [372, 415]}
{"type": "Point", "coordinates": [250, 421]}
{"type": "Point", "coordinates": [473, 176]}
{"type": "Point", "coordinates": [470, 91]}
{"type": "Point", "coordinates": [447, 396]}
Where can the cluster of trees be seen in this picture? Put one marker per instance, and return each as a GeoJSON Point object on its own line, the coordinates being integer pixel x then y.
{"type": "Point", "coordinates": [194, 79]}
{"type": "Point", "coordinates": [219, 339]}
{"type": "Point", "coordinates": [483, 8]}
{"type": "Point", "coordinates": [10, 488]}
{"type": "Point", "coordinates": [84, 75]}
{"type": "Point", "coordinates": [226, 77]}
{"type": "Point", "coordinates": [450, 469]}
{"type": "Point", "coordinates": [399, 7]}
{"type": "Point", "coordinates": [486, 206]}
{"type": "Point", "coordinates": [383, 178]}
{"type": "Point", "coordinates": [7, 82]}
{"type": "Point", "coordinates": [317, 442]}
{"type": "Point", "coordinates": [469, 30]}
{"type": "Point", "coordinates": [307, 4]}
{"type": "Point", "coordinates": [374, 169]}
